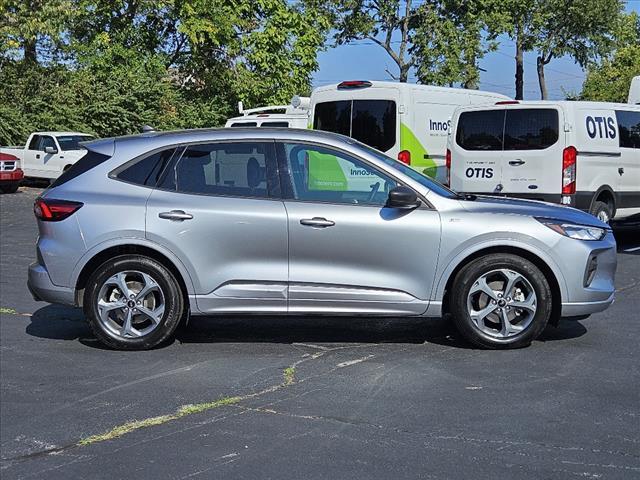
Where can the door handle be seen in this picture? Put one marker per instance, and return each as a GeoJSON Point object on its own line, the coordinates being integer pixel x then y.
{"type": "Point", "coordinates": [319, 222]}
{"type": "Point", "coordinates": [37, 155]}
{"type": "Point", "coordinates": [620, 171]}
{"type": "Point", "coordinates": [176, 215]}
{"type": "Point", "coordinates": [516, 163]}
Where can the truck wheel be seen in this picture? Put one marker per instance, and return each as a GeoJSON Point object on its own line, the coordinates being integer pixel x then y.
{"type": "Point", "coordinates": [133, 303]}
{"type": "Point", "coordinates": [602, 211]}
{"type": "Point", "coordinates": [500, 301]}
{"type": "Point", "coordinates": [9, 188]}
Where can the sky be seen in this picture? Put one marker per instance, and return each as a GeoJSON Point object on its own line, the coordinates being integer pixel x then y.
{"type": "Point", "coordinates": [364, 60]}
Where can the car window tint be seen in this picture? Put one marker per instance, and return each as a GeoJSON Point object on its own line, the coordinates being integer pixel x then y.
{"type": "Point", "coordinates": [33, 144]}
{"type": "Point", "coordinates": [482, 130]}
{"type": "Point", "coordinates": [373, 122]}
{"type": "Point", "coordinates": [325, 175]}
{"type": "Point", "coordinates": [274, 124]}
{"type": "Point", "coordinates": [229, 169]}
{"type": "Point", "coordinates": [333, 117]}
{"type": "Point", "coordinates": [244, 124]}
{"type": "Point", "coordinates": [47, 141]}
{"type": "Point", "coordinates": [530, 128]}
{"type": "Point", "coordinates": [629, 128]}
{"type": "Point", "coordinates": [72, 142]}
{"type": "Point", "coordinates": [147, 170]}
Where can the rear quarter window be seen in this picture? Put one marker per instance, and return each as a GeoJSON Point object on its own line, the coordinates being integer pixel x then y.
{"type": "Point", "coordinates": [147, 170]}
{"type": "Point", "coordinates": [629, 128]}
{"type": "Point", "coordinates": [530, 128]}
{"type": "Point", "coordinates": [481, 130]}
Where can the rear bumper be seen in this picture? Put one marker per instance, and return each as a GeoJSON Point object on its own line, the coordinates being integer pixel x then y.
{"type": "Point", "coordinates": [42, 289]}
{"type": "Point", "coordinates": [12, 176]}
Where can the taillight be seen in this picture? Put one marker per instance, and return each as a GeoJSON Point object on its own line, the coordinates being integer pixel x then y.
{"type": "Point", "coordinates": [569, 163]}
{"type": "Point", "coordinates": [448, 164]}
{"type": "Point", "coordinates": [54, 210]}
{"type": "Point", "coordinates": [405, 157]}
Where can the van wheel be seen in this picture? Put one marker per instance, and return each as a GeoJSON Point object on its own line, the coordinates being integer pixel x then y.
{"type": "Point", "coordinates": [133, 303]}
{"type": "Point", "coordinates": [602, 211]}
{"type": "Point", "coordinates": [500, 301]}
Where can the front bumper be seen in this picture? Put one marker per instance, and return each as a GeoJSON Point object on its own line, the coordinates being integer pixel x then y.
{"type": "Point", "coordinates": [42, 289]}
{"type": "Point", "coordinates": [578, 309]}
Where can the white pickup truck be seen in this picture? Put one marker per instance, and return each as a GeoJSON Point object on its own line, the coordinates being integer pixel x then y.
{"type": "Point", "coordinates": [48, 154]}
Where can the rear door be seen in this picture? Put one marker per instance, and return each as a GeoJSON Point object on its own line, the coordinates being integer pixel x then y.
{"type": "Point", "coordinates": [218, 208]}
{"type": "Point", "coordinates": [533, 145]}
{"type": "Point", "coordinates": [476, 152]}
{"type": "Point", "coordinates": [629, 168]}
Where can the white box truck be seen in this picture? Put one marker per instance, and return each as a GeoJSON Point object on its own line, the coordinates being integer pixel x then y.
{"type": "Point", "coordinates": [581, 154]}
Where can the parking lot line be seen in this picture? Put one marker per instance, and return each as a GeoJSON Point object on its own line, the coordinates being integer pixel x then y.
{"type": "Point", "coordinates": [632, 249]}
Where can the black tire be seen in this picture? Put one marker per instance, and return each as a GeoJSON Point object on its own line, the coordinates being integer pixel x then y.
{"type": "Point", "coordinates": [602, 211]}
{"type": "Point", "coordinates": [174, 304]}
{"type": "Point", "coordinates": [9, 188]}
{"type": "Point", "coordinates": [465, 280]}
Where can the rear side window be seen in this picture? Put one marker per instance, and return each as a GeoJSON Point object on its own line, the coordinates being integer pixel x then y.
{"type": "Point", "coordinates": [482, 130]}
{"type": "Point", "coordinates": [373, 122]}
{"type": "Point", "coordinates": [86, 163]}
{"type": "Point", "coordinates": [146, 171]}
{"type": "Point", "coordinates": [242, 169]}
{"type": "Point", "coordinates": [274, 124]}
{"type": "Point", "coordinates": [530, 128]}
{"type": "Point", "coordinates": [629, 128]}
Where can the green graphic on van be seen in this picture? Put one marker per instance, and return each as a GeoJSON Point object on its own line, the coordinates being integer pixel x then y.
{"type": "Point", "coordinates": [325, 172]}
{"type": "Point", "coordinates": [420, 159]}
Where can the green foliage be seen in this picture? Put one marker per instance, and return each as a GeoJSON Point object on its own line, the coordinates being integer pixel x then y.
{"type": "Point", "coordinates": [609, 80]}
{"type": "Point", "coordinates": [108, 67]}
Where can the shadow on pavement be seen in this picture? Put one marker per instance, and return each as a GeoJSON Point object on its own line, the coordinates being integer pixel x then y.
{"type": "Point", "coordinates": [65, 323]}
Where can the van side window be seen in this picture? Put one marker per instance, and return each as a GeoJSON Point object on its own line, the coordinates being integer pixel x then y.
{"type": "Point", "coordinates": [482, 130]}
{"type": "Point", "coordinates": [274, 124]}
{"type": "Point", "coordinates": [531, 128]}
{"type": "Point", "coordinates": [629, 128]}
{"type": "Point", "coordinates": [238, 169]}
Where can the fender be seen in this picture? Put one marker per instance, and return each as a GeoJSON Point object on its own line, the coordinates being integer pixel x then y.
{"type": "Point", "coordinates": [115, 242]}
{"type": "Point", "coordinates": [493, 242]}
{"type": "Point", "coordinates": [605, 188]}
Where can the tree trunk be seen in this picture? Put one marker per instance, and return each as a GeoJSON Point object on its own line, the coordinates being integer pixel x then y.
{"type": "Point", "coordinates": [519, 70]}
{"type": "Point", "coordinates": [404, 72]}
{"type": "Point", "coordinates": [540, 63]}
{"type": "Point", "coordinates": [30, 52]}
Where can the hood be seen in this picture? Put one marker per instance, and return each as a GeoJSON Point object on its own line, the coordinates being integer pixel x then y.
{"type": "Point", "coordinates": [531, 208]}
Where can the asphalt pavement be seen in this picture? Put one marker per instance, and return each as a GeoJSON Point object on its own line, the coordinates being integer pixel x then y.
{"type": "Point", "coordinates": [310, 398]}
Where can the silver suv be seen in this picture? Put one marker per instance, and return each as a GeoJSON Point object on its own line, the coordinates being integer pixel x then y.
{"type": "Point", "coordinates": [147, 229]}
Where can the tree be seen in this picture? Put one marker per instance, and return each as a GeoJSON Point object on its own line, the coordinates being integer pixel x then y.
{"type": "Point", "coordinates": [609, 80]}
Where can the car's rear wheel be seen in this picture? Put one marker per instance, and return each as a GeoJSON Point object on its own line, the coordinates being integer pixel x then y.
{"type": "Point", "coordinates": [133, 303]}
{"type": "Point", "coordinates": [500, 301]}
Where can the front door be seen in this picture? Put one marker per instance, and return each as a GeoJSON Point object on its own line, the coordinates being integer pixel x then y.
{"type": "Point", "coordinates": [348, 253]}
{"type": "Point", "coordinates": [218, 209]}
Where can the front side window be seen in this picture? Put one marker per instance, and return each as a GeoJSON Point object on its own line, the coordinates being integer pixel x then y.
{"type": "Point", "coordinates": [531, 128]}
{"type": "Point", "coordinates": [72, 142]}
{"type": "Point", "coordinates": [629, 128]}
{"type": "Point", "coordinates": [46, 141]}
{"type": "Point", "coordinates": [319, 174]}
{"type": "Point", "coordinates": [482, 130]}
{"type": "Point", "coordinates": [372, 122]}
{"type": "Point", "coordinates": [241, 169]}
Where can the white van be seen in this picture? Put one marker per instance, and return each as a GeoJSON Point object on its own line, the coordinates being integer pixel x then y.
{"type": "Point", "coordinates": [582, 154]}
{"type": "Point", "coordinates": [407, 121]}
{"type": "Point", "coordinates": [634, 91]}
{"type": "Point", "coordinates": [294, 115]}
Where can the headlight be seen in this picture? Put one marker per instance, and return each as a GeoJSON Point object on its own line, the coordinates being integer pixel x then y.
{"type": "Point", "coordinates": [579, 232]}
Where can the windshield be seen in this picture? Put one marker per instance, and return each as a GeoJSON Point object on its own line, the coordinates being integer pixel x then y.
{"type": "Point", "coordinates": [71, 142]}
{"type": "Point", "coordinates": [423, 180]}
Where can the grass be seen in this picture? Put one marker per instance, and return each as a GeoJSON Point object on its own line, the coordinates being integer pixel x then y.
{"type": "Point", "coordinates": [8, 310]}
{"type": "Point", "coordinates": [183, 411]}
{"type": "Point", "coordinates": [289, 375]}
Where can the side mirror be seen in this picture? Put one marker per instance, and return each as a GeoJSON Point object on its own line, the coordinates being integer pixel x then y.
{"type": "Point", "coordinates": [403, 198]}
{"type": "Point", "coordinates": [51, 150]}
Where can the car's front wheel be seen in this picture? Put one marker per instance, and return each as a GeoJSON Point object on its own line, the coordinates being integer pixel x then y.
{"type": "Point", "coordinates": [133, 303]}
{"type": "Point", "coordinates": [500, 301]}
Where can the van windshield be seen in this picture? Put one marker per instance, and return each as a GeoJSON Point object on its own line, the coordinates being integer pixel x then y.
{"type": "Point", "coordinates": [372, 122]}
{"type": "Point", "coordinates": [423, 180]}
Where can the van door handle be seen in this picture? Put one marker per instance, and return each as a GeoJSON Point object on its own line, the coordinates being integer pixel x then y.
{"type": "Point", "coordinates": [176, 215]}
{"type": "Point", "coordinates": [620, 170]}
{"type": "Point", "coordinates": [318, 222]}
{"type": "Point", "coordinates": [516, 163]}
